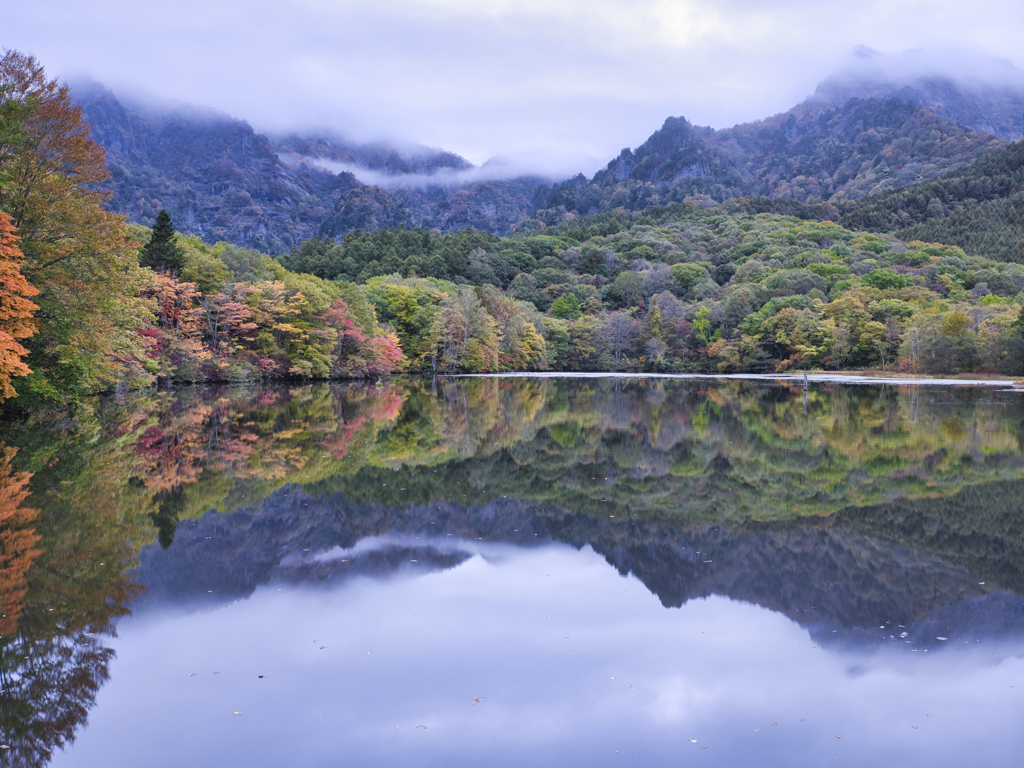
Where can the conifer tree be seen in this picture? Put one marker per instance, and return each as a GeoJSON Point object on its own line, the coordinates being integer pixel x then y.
{"type": "Point", "coordinates": [162, 253]}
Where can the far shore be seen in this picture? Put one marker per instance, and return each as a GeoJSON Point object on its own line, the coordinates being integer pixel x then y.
{"type": "Point", "coordinates": [843, 377]}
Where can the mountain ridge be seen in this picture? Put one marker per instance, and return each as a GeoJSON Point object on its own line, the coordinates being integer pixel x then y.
{"type": "Point", "coordinates": [863, 131]}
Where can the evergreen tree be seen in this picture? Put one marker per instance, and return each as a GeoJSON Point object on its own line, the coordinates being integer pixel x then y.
{"type": "Point", "coordinates": [162, 252]}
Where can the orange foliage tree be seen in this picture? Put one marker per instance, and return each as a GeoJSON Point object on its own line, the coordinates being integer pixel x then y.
{"type": "Point", "coordinates": [15, 309]}
{"type": "Point", "coordinates": [82, 258]}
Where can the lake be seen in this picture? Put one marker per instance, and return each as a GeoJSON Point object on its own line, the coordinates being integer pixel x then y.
{"type": "Point", "coordinates": [516, 571]}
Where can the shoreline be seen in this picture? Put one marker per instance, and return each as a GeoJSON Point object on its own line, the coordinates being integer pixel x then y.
{"type": "Point", "coordinates": [817, 377]}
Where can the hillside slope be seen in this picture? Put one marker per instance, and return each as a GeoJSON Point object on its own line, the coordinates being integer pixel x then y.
{"type": "Point", "coordinates": [978, 207]}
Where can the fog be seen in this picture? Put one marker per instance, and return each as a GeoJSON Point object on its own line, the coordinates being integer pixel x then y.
{"type": "Point", "coordinates": [968, 69]}
{"type": "Point", "coordinates": [561, 86]}
{"type": "Point", "coordinates": [495, 169]}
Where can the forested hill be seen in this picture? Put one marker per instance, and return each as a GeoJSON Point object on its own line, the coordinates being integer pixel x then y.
{"type": "Point", "coordinates": [221, 180]}
{"type": "Point", "coordinates": [978, 207]}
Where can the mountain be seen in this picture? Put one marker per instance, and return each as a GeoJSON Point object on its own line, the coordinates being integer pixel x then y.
{"type": "Point", "coordinates": [221, 180]}
{"type": "Point", "coordinates": [217, 177]}
{"type": "Point", "coordinates": [812, 153]}
{"type": "Point", "coordinates": [984, 94]}
{"type": "Point", "coordinates": [880, 124]}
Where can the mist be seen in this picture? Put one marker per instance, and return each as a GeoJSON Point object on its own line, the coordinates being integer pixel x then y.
{"type": "Point", "coordinates": [496, 169]}
{"type": "Point", "coordinates": [968, 69]}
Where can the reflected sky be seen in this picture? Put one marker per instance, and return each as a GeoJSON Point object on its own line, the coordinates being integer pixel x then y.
{"type": "Point", "coordinates": [531, 656]}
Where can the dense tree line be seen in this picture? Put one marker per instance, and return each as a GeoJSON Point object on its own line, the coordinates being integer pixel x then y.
{"type": "Point", "coordinates": [686, 288]}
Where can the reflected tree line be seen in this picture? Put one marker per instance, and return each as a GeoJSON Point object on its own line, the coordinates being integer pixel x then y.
{"type": "Point", "coordinates": [754, 465]}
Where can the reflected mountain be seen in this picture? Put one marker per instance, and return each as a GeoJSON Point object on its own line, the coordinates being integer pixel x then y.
{"type": "Point", "coordinates": [827, 574]}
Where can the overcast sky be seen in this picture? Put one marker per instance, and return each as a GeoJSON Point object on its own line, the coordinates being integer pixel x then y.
{"type": "Point", "coordinates": [564, 83]}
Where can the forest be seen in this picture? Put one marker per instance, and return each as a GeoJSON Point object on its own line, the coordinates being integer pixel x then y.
{"type": "Point", "coordinates": [92, 303]}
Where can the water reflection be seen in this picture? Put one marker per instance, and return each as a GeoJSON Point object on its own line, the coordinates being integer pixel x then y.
{"type": "Point", "coordinates": [67, 575]}
{"type": "Point", "coordinates": [875, 519]}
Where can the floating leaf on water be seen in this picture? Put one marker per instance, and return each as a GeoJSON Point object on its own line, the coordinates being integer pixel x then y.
{"type": "Point", "coordinates": [914, 726]}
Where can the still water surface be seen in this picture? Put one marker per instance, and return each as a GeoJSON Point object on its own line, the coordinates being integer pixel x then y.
{"type": "Point", "coordinates": [522, 572]}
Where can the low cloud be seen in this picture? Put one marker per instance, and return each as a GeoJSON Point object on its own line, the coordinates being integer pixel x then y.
{"type": "Point", "coordinates": [496, 169]}
{"type": "Point", "coordinates": [563, 85]}
{"type": "Point", "coordinates": [967, 68]}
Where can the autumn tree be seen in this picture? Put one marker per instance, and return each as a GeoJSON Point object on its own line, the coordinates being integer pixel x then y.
{"type": "Point", "coordinates": [176, 342]}
{"type": "Point", "coordinates": [619, 331]}
{"type": "Point", "coordinates": [355, 353]}
{"type": "Point", "coordinates": [81, 258]}
{"type": "Point", "coordinates": [15, 309]}
{"type": "Point", "coordinates": [227, 317]}
{"type": "Point", "coordinates": [176, 305]}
